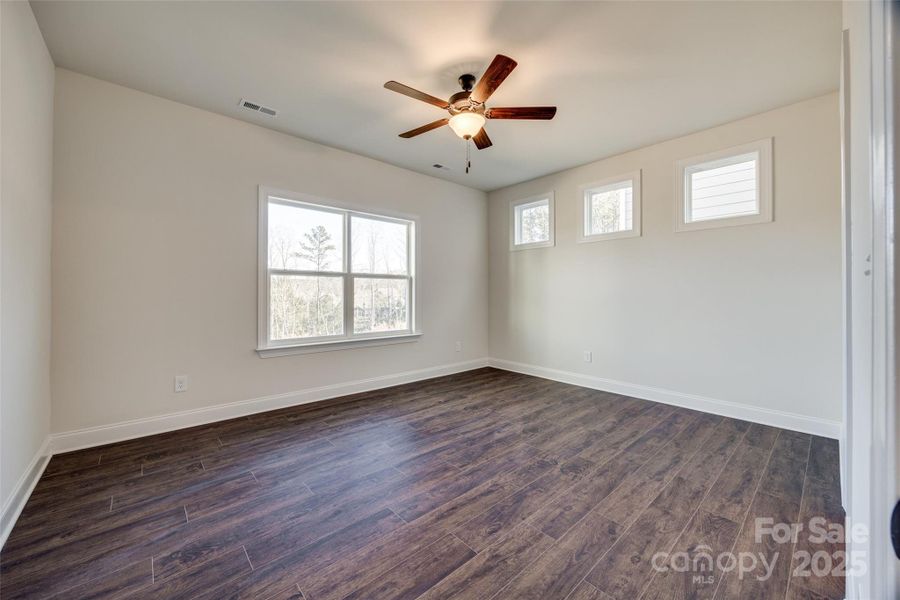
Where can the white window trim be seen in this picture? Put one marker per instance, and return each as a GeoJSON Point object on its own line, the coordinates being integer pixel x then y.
{"type": "Point", "coordinates": [763, 184]}
{"type": "Point", "coordinates": [268, 348]}
{"type": "Point", "coordinates": [635, 178]}
{"type": "Point", "coordinates": [549, 196]}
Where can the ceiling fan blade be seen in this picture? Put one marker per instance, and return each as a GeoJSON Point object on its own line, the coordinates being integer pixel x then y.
{"type": "Point", "coordinates": [482, 140]}
{"type": "Point", "coordinates": [413, 93]}
{"type": "Point", "coordinates": [498, 70]}
{"type": "Point", "coordinates": [424, 128]}
{"type": "Point", "coordinates": [521, 112]}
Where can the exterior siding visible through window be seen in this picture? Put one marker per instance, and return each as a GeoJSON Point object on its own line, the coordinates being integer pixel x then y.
{"type": "Point", "coordinates": [728, 187]}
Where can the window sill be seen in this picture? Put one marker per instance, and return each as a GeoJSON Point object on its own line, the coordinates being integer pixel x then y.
{"type": "Point", "coordinates": [531, 246]}
{"type": "Point", "coordinates": [330, 346]}
{"type": "Point", "coordinates": [682, 226]}
{"type": "Point", "coordinates": [603, 237]}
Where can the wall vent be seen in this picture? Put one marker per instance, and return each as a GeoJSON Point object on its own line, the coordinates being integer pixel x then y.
{"type": "Point", "coordinates": [256, 107]}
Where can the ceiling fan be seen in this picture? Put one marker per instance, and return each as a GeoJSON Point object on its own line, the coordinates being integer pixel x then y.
{"type": "Point", "coordinates": [467, 109]}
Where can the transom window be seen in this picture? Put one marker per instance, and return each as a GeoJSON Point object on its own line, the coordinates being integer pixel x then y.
{"type": "Point", "coordinates": [611, 208]}
{"type": "Point", "coordinates": [729, 187]}
{"type": "Point", "coordinates": [332, 274]}
{"type": "Point", "coordinates": [531, 222]}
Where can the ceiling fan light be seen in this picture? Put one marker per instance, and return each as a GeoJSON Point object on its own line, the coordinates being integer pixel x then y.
{"type": "Point", "coordinates": [467, 124]}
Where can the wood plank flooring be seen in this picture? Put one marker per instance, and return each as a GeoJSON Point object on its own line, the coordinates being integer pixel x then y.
{"type": "Point", "coordinates": [481, 485]}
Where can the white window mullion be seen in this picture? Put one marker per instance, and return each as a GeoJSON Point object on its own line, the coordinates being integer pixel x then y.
{"type": "Point", "coordinates": [379, 276]}
{"type": "Point", "coordinates": [302, 272]}
{"type": "Point", "coordinates": [348, 278]}
{"type": "Point", "coordinates": [410, 265]}
{"type": "Point", "coordinates": [348, 305]}
{"type": "Point", "coordinates": [268, 323]}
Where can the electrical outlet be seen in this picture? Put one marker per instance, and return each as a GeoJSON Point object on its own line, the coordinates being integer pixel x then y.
{"type": "Point", "coordinates": [459, 346]}
{"type": "Point", "coordinates": [588, 356]}
{"type": "Point", "coordinates": [181, 383]}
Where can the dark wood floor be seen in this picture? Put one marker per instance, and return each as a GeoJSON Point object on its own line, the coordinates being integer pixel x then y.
{"type": "Point", "coordinates": [481, 485]}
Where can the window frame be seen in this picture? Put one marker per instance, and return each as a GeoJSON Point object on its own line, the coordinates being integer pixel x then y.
{"type": "Point", "coordinates": [265, 345]}
{"type": "Point", "coordinates": [522, 202]}
{"type": "Point", "coordinates": [609, 183]}
{"type": "Point", "coordinates": [764, 168]}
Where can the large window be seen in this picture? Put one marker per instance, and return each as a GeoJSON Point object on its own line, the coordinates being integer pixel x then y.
{"type": "Point", "coordinates": [729, 187]}
{"type": "Point", "coordinates": [611, 208]}
{"type": "Point", "coordinates": [531, 222]}
{"type": "Point", "coordinates": [330, 275]}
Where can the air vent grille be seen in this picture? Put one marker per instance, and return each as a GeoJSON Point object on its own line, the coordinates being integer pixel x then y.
{"type": "Point", "coordinates": [256, 107]}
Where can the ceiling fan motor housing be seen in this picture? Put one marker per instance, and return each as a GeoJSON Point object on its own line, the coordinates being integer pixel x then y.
{"type": "Point", "coordinates": [459, 102]}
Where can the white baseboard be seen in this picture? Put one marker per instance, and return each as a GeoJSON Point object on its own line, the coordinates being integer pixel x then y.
{"type": "Point", "coordinates": [126, 430]}
{"type": "Point", "coordinates": [13, 505]}
{"type": "Point", "coordinates": [117, 432]}
{"type": "Point", "coordinates": [765, 416]}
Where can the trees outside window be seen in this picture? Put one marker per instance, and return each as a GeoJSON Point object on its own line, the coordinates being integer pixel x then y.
{"type": "Point", "coordinates": [611, 208]}
{"type": "Point", "coordinates": [531, 222]}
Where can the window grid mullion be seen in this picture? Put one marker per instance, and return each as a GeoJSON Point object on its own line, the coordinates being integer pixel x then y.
{"type": "Point", "coordinates": [410, 292]}
{"type": "Point", "coordinates": [349, 311]}
{"type": "Point", "coordinates": [304, 273]}
{"type": "Point", "coordinates": [379, 276]}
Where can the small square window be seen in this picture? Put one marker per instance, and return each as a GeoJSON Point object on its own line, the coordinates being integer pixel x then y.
{"type": "Point", "coordinates": [531, 222]}
{"type": "Point", "coordinates": [611, 208]}
{"type": "Point", "coordinates": [729, 187]}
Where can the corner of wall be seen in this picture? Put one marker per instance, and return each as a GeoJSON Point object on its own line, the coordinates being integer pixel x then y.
{"type": "Point", "coordinates": [21, 491]}
{"type": "Point", "coordinates": [28, 81]}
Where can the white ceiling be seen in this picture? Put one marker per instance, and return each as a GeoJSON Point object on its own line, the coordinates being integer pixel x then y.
{"type": "Point", "coordinates": [623, 74]}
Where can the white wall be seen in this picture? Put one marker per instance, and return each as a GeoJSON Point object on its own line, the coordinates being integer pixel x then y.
{"type": "Point", "coordinates": [749, 315]}
{"type": "Point", "coordinates": [154, 257]}
{"type": "Point", "coordinates": [26, 144]}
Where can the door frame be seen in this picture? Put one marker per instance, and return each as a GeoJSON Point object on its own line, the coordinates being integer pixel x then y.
{"type": "Point", "coordinates": [872, 485]}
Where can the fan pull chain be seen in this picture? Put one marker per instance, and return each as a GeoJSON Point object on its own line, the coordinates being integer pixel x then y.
{"type": "Point", "coordinates": [468, 151]}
